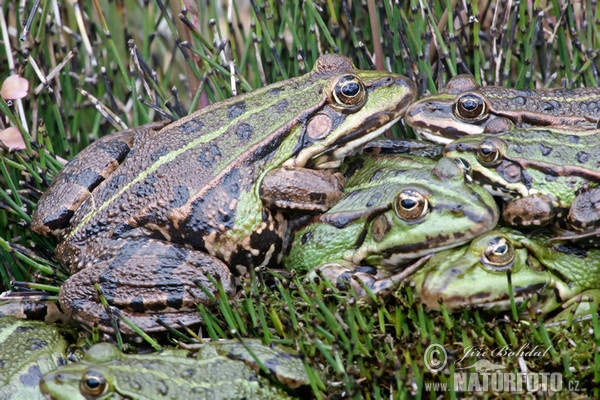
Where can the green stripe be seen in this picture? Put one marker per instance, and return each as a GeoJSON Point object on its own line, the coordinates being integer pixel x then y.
{"type": "Point", "coordinates": [203, 139]}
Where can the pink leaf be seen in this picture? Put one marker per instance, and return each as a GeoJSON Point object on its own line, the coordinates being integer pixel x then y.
{"type": "Point", "coordinates": [12, 139]}
{"type": "Point", "coordinates": [14, 87]}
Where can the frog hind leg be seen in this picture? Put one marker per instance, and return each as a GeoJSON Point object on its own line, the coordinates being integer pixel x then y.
{"type": "Point", "coordinates": [146, 280]}
{"type": "Point", "coordinates": [77, 179]}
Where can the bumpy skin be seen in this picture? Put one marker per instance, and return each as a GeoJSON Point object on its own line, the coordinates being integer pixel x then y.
{"type": "Point", "coordinates": [28, 350]}
{"type": "Point", "coordinates": [548, 277]}
{"type": "Point", "coordinates": [162, 209]}
{"type": "Point", "coordinates": [436, 117]}
{"type": "Point", "coordinates": [540, 173]}
{"type": "Point", "coordinates": [365, 228]}
{"type": "Point", "coordinates": [219, 371]}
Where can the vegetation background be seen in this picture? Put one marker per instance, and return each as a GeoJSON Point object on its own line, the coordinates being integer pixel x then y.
{"type": "Point", "coordinates": [97, 67]}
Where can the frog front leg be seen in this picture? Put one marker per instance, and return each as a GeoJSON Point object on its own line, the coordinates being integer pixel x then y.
{"type": "Point", "coordinates": [584, 214]}
{"type": "Point", "coordinates": [80, 176]}
{"type": "Point", "coordinates": [363, 280]}
{"type": "Point", "coordinates": [579, 306]}
{"type": "Point", "coordinates": [533, 210]}
{"type": "Point", "coordinates": [301, 189]}
{"type": "Point", "coordinates": [146, 280]}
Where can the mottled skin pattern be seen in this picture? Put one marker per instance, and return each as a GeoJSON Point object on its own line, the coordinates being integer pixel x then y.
{"type": "Point", "coordinates": [539, 174]}
{"type": "Point", "coordinates": [219, 370]}
{"type": "Point", "coordinates": [439, 117]}
{"type": "Point", "coordinates": [550, 277]}
{"type": "Point", "coordinates": [28, 350]}
{"type": "Point", "coordinates": [368, 232]}
{"type": "Point", "coordinates": [163, 208]}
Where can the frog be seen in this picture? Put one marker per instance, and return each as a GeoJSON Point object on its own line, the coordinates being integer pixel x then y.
{"type": "Point", "coordinates": [225, 369]}
{"type": "Point", "coordinates": [151, 217]}
{"type": "Point", "coordinates": [553, 280]}
{"type": "Point", "coordinates": [467, 108]}
{"type": "Point", "coordinates": [28, 350]}
{"type": "Point", "coordinates": [396, 210]}
{"type": "Point", "coordinates": [547, 177]}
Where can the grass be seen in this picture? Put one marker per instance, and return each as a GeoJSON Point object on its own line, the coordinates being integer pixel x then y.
{"type": "Point", "coordinates": [97, 67]}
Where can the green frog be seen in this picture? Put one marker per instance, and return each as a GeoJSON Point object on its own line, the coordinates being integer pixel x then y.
{"type": "Point", "coordinates": [466, 108]}
{"type": "Point", "coordinates": [219, 370]}
{"type": "Point", "coordinates": [28, 350]}
{"type": "Point", "coordinates": [146, 216]}
{"type": "Point", "coordinates": [545, 177]}
{"type": "Point", "coordinates": [556, 280]}
{"type": "Point", "coordinates": [395, 209]}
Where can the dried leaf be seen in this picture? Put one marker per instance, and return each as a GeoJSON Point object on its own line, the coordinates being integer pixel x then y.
{"type": "Point", "coordinates": [14, 87]}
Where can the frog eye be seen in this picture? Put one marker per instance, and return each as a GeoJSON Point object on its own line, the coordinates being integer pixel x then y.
{"type": "Point", "coordinates": [488, 153]}
{"type": "Point", "coordinates": [499, 254]}
{"type": "Point", "coordinates": [349, 92]}
{"type": "Point", "coordinates": [93, 384]}
{"type": "Point", "coordinates": [411, 204]}
{"type": "Point", "coordinates": [470, 107]}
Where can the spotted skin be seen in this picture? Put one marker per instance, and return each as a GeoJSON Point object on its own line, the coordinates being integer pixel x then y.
{"type": "Point", "coordinates": [187, 194]}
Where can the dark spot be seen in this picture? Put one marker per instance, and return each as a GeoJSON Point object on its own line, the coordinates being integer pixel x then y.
{"type": "Point", "coordinates": [21, 329]}
{"type": "Point", "coordinates": [282, 105]}
{"type": "Point", "coordinates": [32, 377]}
{"type": "Point", "coordinates": [545, 150]}
{"type": "Point", "coordinates": [115, 149]}
{"type": "Point", "coordinates": [244, 131]}
{"type": "Point", "coordinates": [137, 304]}
{"type": "Point", "coordinates": [211, 212]}
{"type": "Point", "coordinates": [366, 269]}
{"type": "Point", "coordinates": [58, 220]}
{"type": "Point", "coordinates": [275, 91]}
{"type": "Point", "coordinates": [517, 149]}
{"type": "Point", "coordinates": [115, 183]}
{"type": "Point", "coordinates": [355, 165]}
{"type": "Point", "coordinates": [121, 230]}
{"type": "Point", "coordinates": [37, 344]}
{"type": "Point", "coordinates": [550, 106]}
{"type": "Point", "coordinates": [159, 153]}
{"type": "Point", "coordinates": [146, 187]}
{"type": "Point", "coordinates": [191, 126]}
{"type": "Point", "coordinates": [210, 156]}
{"type": "Point", "coordinates": [318, 198]}
{"type": "Point", "coordinates": [573, 139]}
{"type": "Point", "coordinates": [374, 199]}
{"type": "Point", "coordinates": [572, 249]}
{"type": "Point", "coordinates": [88, 179]}
{"type": "Point", "coordinates": [520, 100]}
{"type": "Point", "coordinates": [583, 157]}
{"type": "Point", "coordinates": [306, 237]}
{"type": "Point", "coordinates": [376, 175]}
{"type": "Point", "coordinates": [235, 110]}
{"type": "Point", "coordinates": [181, 195]}
{"type": "Point", "coordinates": [175, 300]}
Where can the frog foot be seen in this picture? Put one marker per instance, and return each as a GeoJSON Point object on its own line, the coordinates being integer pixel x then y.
{"type": "Point", "coordinates": [145, 281]}
{"type": "Point", "coordinates": [365, 280]}
{"type": "Point", "coordinates": [533, 210]}
{"type": "Point", "coordinates": [577, 308]}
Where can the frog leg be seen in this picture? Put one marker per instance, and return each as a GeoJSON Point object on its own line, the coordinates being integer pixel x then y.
{"type": "Point", "coordinates": [533, 210]}
{"type": "Point", "coordinates": [146, 280]}
{"type": "Point", "coordinates": [584, 214]}
{"type": "Point", "coordinates": [364, 280]}
{"type": "Point", "coordinates": [301, 189]}
{"type": "Point", "coordinates": [80, 176]}
{"type": "Point", "coordinates": [578, 307]}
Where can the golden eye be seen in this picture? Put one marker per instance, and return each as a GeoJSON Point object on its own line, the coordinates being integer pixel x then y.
{"type": "Point", "coordinates": [499, 254]}
{"type": "Point", "coordinates": [411, 205]}
{"type": "Point", "coordinates": [93, 384]}
{"type": "Point", "coordinates": [349, 92]}
{"type": "Point", "coordinates": [488, 153]}
{"type": "Point", "coordinates": [470, 107]}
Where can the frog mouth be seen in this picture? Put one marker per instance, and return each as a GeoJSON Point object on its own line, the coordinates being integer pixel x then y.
{"type": "Point", "coordinates": [352, 142]}
{"type": "Point", "coordinates": [484, 300]}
